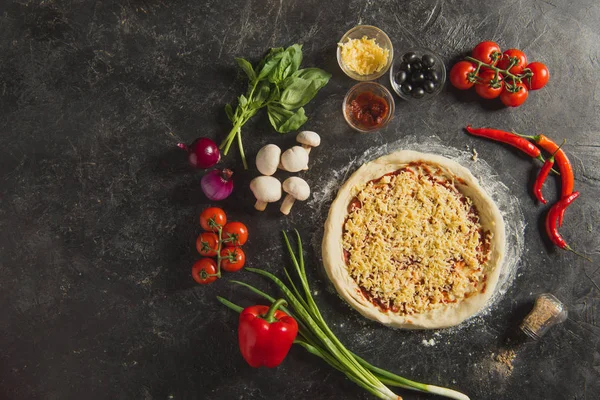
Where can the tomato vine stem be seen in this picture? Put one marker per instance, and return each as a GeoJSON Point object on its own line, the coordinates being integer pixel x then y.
{"type": "Point", "coordinates": [505, 73]}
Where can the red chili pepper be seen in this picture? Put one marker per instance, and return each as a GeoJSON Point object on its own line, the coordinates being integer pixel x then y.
{"type": "Point", "coordinates": [509, 138]}
{"type": "Point", "coordinates": [541, 178]}
{"type": "Point", "coordinates": [552, 219]}
{"type": "Point", "coordinates": [266, 334]}
{"type": "Point", "coordinates": [567, 179]}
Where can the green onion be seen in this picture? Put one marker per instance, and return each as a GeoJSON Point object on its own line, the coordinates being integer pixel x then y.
{"type": "Point", "coordinates": [315, 336]}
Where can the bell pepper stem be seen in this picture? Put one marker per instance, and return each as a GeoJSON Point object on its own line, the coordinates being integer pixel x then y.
{"type": "Point", "coordinates": [270, 316]}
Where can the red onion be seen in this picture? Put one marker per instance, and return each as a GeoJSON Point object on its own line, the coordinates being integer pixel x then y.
{"type": "Point", "coordinates": [217, 184]}
{"type": "Point", "coordinates": [202, 153]}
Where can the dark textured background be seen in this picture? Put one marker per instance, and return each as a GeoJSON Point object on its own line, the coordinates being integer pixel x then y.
{"type": "Point", "coordinates": [98, 210]}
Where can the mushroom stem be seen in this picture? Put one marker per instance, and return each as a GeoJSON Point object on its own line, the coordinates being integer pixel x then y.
{"type": "Point", "coordinates": [307, 148]}
{"type": "Point", "coordinates": [260, 205]}
{"type": "Point", "coordinates": [287, 204]}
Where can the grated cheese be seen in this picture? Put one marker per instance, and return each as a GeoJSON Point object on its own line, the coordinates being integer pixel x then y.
{"type": "Point", "coordinates": [363, 56]}
{"type": "Point", "coordinates": [415, 242]}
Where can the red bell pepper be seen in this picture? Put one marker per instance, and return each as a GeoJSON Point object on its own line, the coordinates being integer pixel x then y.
{"type": "Point", "coordinates": [266, 334]}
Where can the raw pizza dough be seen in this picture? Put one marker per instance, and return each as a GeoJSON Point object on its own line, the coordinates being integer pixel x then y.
{"type": "Point", "coordinates": [333, 257]}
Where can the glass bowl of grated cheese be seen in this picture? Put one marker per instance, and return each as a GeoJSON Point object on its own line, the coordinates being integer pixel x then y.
{"type": "Point", "coordinates": [365, 53]}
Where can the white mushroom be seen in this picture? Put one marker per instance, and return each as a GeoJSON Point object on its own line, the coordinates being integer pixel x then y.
{"type": "Point", "coordinates": [266, 189]}
{"type": "Point", "coordinates": [267, 159]}
{"type": "Point", "coordinates": [308, 140]}
{"type": "Point", "coordinates": [294, 159]}
{"type": "Point", "coordinates": [297, 189]}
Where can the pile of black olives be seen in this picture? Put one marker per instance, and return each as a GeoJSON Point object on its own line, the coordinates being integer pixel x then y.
{"type": "Point", "coordinates": [417, 76]}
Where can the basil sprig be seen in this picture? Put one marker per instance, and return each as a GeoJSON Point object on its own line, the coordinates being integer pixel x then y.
{"type": "Point", "coordinates": [278, 84]}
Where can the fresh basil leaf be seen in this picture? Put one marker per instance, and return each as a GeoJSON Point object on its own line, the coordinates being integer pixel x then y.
{"type": "Point", "coordinates": [270, 62]}
{"type": "Point", "coordinates": [278, 73]}
{"type": "Point", "coordinates": [302, 86]}
{"type": "Point", "coordinates": [286, 82]}
{"type": "Point", "coordinates": [290, 62]}
{"type": "Point", "coordinates": [247, 68]}
{"type": "Point", "coordinates": [242, 100]}
{"type": "Point", "coordinates": [294, 122]}
{"type": "Point", "coordinates": [298, 93]}
{"type": "Point", "coordinates": [261, 94]}
{"type": "Point", "coordinates": [266, 58]}
{"type": "Point", "coordinates": [275, 94]}
{"type": "Point", "coordinates": [296, 53]}
{"type": "Point", "coordinates": [278, 115]}
{"type": "Point", "coordinates": [313, 74]}
{"type": "Point", "coordinates": [285, 120]}
{"type": "Point", "coordinates": [229, 112]}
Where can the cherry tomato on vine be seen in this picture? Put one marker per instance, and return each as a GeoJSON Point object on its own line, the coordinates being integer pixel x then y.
{"type": "Point", "coordinates": [202, 270]}
{"type": "Point", "coordinates": [232, 259]}
{"type": "Point", "coordinates": [540, 76]}
{"type": "Point", "coordinates": [485, 88]}
{"type": "Point", "coordinates": [235, 234]}
{"type": "Point", "coordinates": [207, 244]}
{"type": "Point", "coordinates": [216, 214]}
{"type": "Point", "coordinates": [506, 59]}
{"type": "Point", "coordinates": [514, 99]}
{"type": "Point", "coordinates": [485, 52]}
{"type": "Point", "coordinates": [460, 74]}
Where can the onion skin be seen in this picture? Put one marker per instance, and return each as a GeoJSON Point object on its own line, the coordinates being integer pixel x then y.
{"type": "Point", "coordinates": [217, 184]}
{"type": "Point", "coordinates": [202, 153]}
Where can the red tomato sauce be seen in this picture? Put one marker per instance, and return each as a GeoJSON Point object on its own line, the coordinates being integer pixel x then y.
{"type": "Point", "coordinates": [369, 109]}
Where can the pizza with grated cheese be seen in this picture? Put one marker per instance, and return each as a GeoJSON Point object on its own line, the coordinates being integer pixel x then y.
{"type": "Point", "coordinates": [414, 242]}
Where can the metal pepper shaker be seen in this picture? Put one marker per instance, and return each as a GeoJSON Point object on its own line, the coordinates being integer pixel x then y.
{"type": "Point", "coordinates": [547, 312]}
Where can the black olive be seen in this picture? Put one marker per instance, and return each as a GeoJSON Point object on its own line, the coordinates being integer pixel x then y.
{"type": "Point", "coordinates": [417, 65]}
{"type": "Point", "coordinates": [432, 76]}
{"type": "Point", "coordinates": [404, 66]}
{"type": "Point", "coordinates": [417, 77]}
{"type": "Point", "coordinates": [406, 88]}
{"type": "Point", "coordinates": [410, 57]}
{"type": "Point", "coordinates": [428, 60]}
{"type": "Point", "coordinates": [429, 86]}
{"type": "Point", "coordinates": [401, 76]}
{"type": "Point", "coordinates": [417, 93]}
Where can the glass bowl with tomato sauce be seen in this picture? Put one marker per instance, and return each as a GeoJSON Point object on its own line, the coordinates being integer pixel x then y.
{"type": "Point", "coordinates": [368, 107]}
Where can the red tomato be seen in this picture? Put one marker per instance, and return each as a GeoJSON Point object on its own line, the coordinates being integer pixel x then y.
{"type": "Point", "coordinates": [488, 52]}
{"type": "Point", "coordinates": [486, 88]}
{"type": "Point", "coordinates": [514, 99]}
{"type": "Point", "coordinates": [214, 214]}
{"type": "Point", "coordinates": [540, 76]}
{"type": "Point", "coordinates": [204, 271]}
{"type": "Point", "coordinates": [461, 75]}
{"type": "Point", "coordinates": [232, 259]}
{"type": "Point", "coordinates": [207, 244]}
{"type": "Point", "coordinates": [235, 234]}
{"type": "Point", "coordinates": [507, 57]}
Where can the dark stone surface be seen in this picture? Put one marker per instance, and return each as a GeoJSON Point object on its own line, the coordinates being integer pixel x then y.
{"type": "Point", "coordinates": [98, 211]}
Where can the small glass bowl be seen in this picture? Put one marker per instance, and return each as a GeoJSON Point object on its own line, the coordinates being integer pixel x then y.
{"type": "Point", "coordinates": [440, 68]}
{"type": "Point", "coordinates": [371, 32]}
{"type": "Point", "coordinates": [376, 89]}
